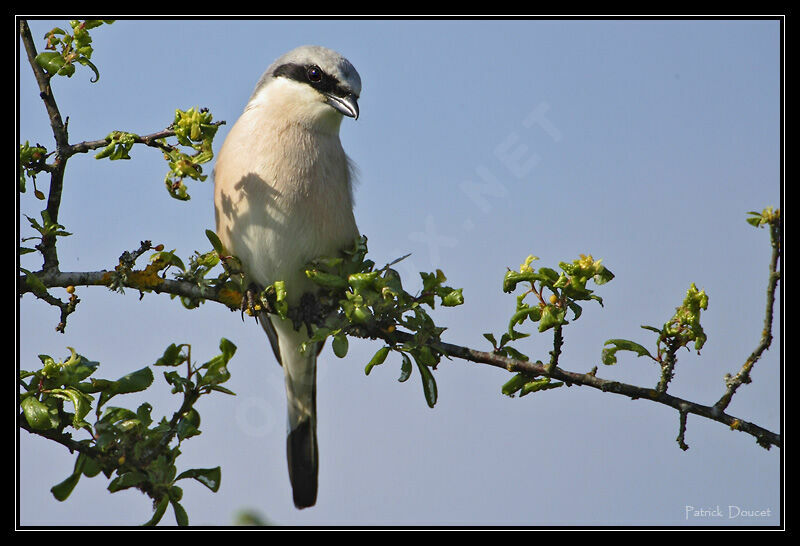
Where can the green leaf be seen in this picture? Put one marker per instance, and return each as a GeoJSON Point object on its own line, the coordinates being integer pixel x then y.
{"type": "Point", "coordinates": [76, 369]}
{"type": "Point", "coordinates": [217, 371]}
{"type": "Point", "coordinates": [161, 507]}
{"type": "Point", "coordinates": [86, 62]}
{"type": "Point", "coordinates": [281, 305]}
{"type": "Point", "coordinates": [222, 389]}
{"type": "Point", "coordinates": [326, 280]}
{"type": "Point", "coordinates": [428, 384]}
{"type": "Point", "coordinates": [659, 331]}
{"type": "Point", "coordinates": [538, 385]}
{"type": "Point", "coordinates": [551, 316]}
{"type": "Point", "coordinates": [340, 345]}
{"type": "Point", "coordinates": [210, 477]}
{"type": "Point", "coordinates": [188, 425]}
{"type": "Point", "coordinates": [217, 368]}
{"type": "Point", "coordinates": [63, 490]}
{"type": "Point", "coordinates": [50, 61]}
{"type": "Point", "coordinates": [228, 348]}
{"type": "Point", "coordinates": [171, 357]}
{"type": "Point", "coordinates": [491, 339]}
{"type": "Point", "coordinates": [87, 466]}
{"type": "Point", "coordinates": [36, 285]}
{"type": "Point", "coordinates": [608, 356]}
{"type": "Point", "coordinates": [515, 383]}
{"type": "Point", "coordinates": [551, 275]}
{"type": "Point", "coordinates": [81, 401]}
{"type": "Point", "coordinates": [453, 299]}
{"type": "Point", "coordinates": [126, 480]}
{"type": "Point", "coordinates": [515, 354]}
{"type": "Point", "coordinates": [135, 381]}
{"type": "Point", "coordinates": [576, 309]}
{"type": "Point", "coordinates": [377, 359]}
{"type": "Point", "coordinates": [363, 281]}
{"type": "Point", "coordinates": [132, 382]}
{"type": "Point", "coordinates": [38, 415]}
{"type": "Point", "coordinates": [405, 368]}
{"type": "Point", "coordinates": [180, 514]}
{"type": "Point", "coordinates": [533, 313]}
{"type": "Point", "coordinates": [215, 242]}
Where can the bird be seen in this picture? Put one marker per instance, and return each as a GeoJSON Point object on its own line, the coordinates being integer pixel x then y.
{"type": "Point", "coordinates": [283, 196]}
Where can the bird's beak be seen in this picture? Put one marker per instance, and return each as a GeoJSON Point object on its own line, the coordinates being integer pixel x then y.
{"type": "Point", "coordinates": [347, 105]}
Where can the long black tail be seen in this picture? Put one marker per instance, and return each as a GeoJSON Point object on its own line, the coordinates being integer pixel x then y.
{"type": "Point", "coordinates": [301, 453]}
{"type": "Point", "coordinates": [300, 372]}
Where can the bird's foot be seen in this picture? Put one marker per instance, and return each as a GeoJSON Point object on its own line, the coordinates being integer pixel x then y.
{"type": "Point", "coordinates": [252, 302]}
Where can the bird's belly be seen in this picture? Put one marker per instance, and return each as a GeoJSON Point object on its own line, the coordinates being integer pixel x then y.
{"type": "Point", "coordinates": [283, 234]}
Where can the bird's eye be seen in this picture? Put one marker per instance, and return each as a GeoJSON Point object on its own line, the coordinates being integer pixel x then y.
{"type": "Point", "coordinates": [314, 74]}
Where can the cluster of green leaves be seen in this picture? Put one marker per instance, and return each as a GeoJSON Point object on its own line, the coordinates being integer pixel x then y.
{"type": "Point", "coordinates": [679, 331]}
{"type": "Point", "coordinates": [31, 160]}
{"type": "Point", "coordinates": [46, 229]}
{"type": "Point", "coordinates": [119, 146]}
{"type": "Point", "coordinates": [361, 300]}
{"type": "Point", "coordinates": [129, 445]}
{"type": "Point", "coordinates": [566, 288]}
{"type": "Point", "coordinates": [768, 216]}
{"type": "Point", "coordinates": [194, 129]}
{"type": "Point", "coordinates": [64, 49]}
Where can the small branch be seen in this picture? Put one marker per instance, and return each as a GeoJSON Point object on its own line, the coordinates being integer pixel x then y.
{"type": "Point", "coordinates": [682, 431]}
{"type": "Point", "coordinates": [558, 341]}
{"type": "Point", "coordinates": [668, 366]}
{"type": "Point", "coordinates": [63, 438]}
{"type": "Point", "coordinates": [127, 259]}
{"type": "Point", "coordinates": [733, 383]}
{"type": "Point", "coordinates": [66, 308]}
{"type": "Point", "coordinates": [148, 140]}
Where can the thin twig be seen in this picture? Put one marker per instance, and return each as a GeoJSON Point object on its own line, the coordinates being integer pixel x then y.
{"type": "Point", "coordinates": [682, 431]}
{"type": "Point", "coordinates": [733, 383]}
{"type": "Point", "coordinates": [151, 140]}
{"type": "Point", "coordinates": [63, 438]}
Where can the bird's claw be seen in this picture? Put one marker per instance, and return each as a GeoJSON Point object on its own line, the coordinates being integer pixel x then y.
{"type": "Point", "coordinates": [251, 302]}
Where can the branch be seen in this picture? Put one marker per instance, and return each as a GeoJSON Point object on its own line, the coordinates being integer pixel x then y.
{"type": "Point", "coordinates": [45, 91]}
{"type": "Point", "coordinates": [733, 383]}
{"type": "Point", "coordinates": [148, 140]}
{"type": "Point", "coordinates": [63, 438]}
{"type": "Point", "coordinates": [53, 279]}
{"type": "Point", "coordinates": [764, 437]}
{"type": "Point", "coordinates": [48, 245]}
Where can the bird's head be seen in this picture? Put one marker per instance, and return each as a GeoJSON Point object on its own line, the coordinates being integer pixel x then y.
{"type": "Point", "coordinates": [310, 84]}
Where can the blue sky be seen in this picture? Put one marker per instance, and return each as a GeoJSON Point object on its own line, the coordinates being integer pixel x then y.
{"type": "Point", "coordinates": [641, 142]}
